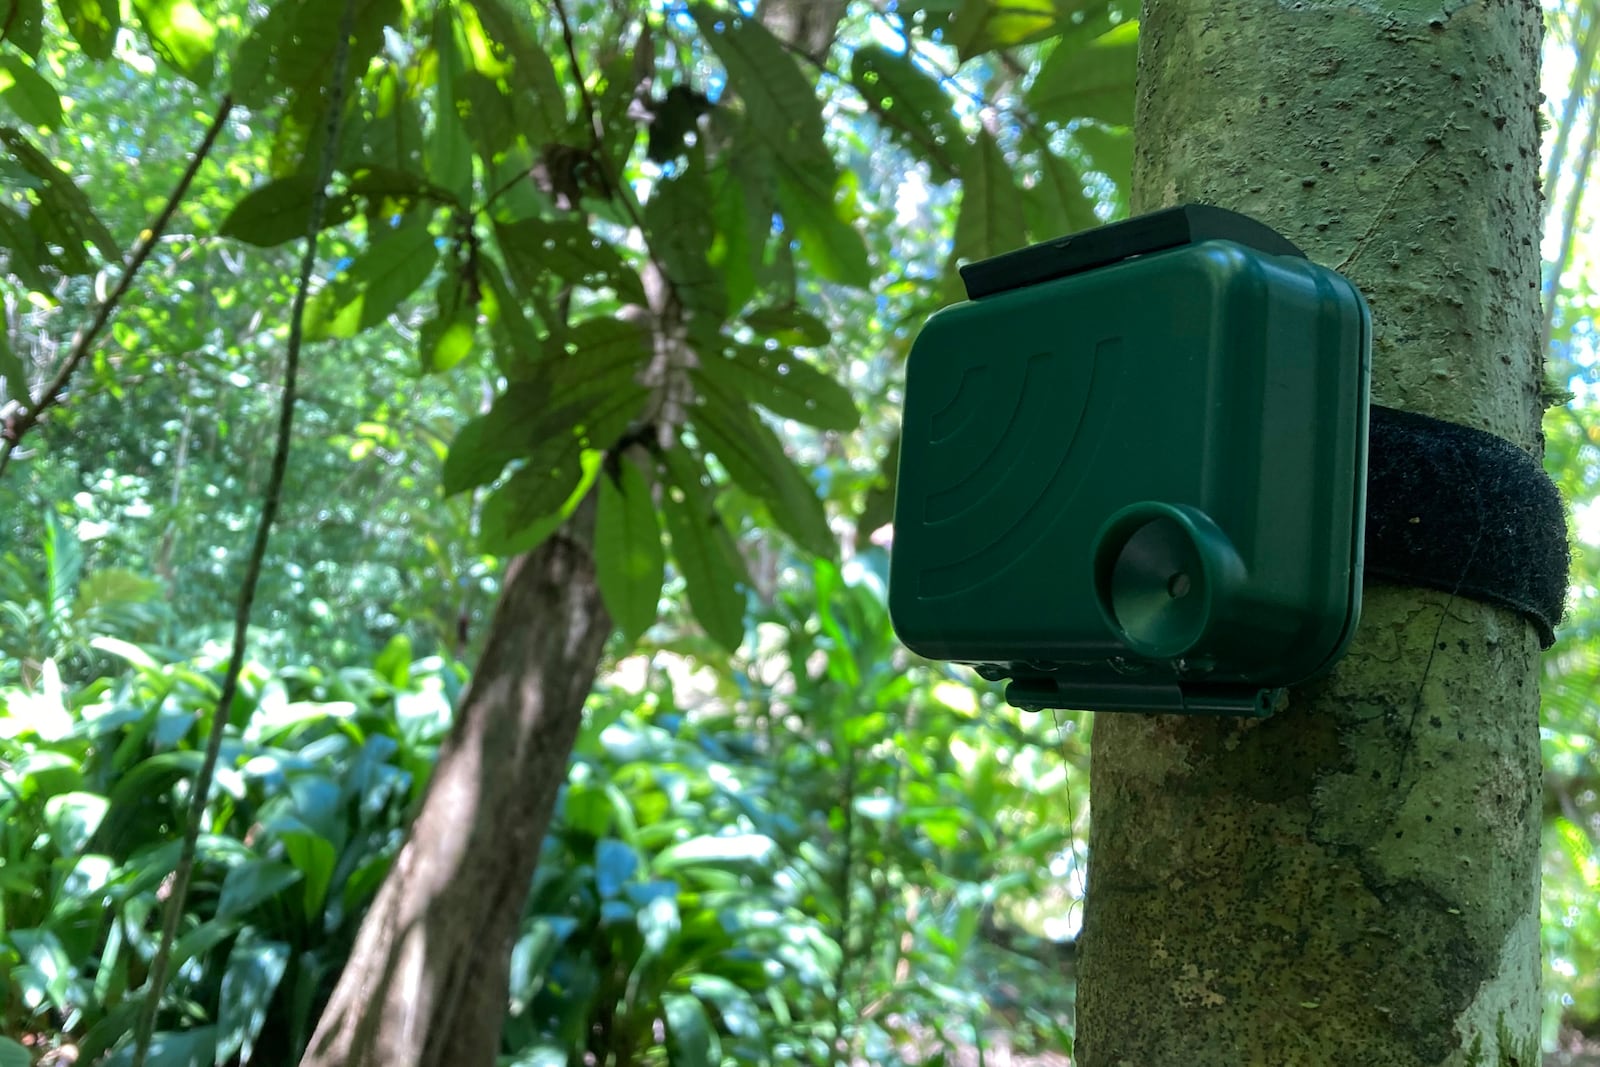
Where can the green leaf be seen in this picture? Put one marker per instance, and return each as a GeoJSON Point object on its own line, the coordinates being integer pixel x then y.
{"type": "Point", "coordinates": [180, 34]}
{"type": "Point", "coordinates": [93, 24]}
{"type": "Point", "coordinates": [1056, 205]}
{"type": "Point", "coordinates": [487, 442]}
{"type": "Point", "coordinates": [629, 558]}
{"type": "Point", "coordinates": [251, 884]}
{"type": "Point", "coordinates": [373, 286]}
{"type": "Point", "coordinates": [255, 968]}
{"type": "Point", "coordinates": [834, 248]}
{"type": "Point", "coordinates": [789, 326]}
{"type": "Point", "coordinates": [912, 107]}
{"type": "Point", "coordinates": [24, 22]}
{"type": "Point", "coordinates": [742, 206]}
{"type": "Point", "coordinates": [450, 149]}
{"type": "Point", "coordinates": [65, 217]}
{"type": "Point", "coordinates": [447, 337]}
{"type": "Point", "coordinates": [782, 383]}
{"type": "Point", "coordinates": [754, 458]}
{"type": "Point", "coordinates": [25, 91]}
{"type": "Point", "coordinates": [535, 249]}
{"type": "Point", "coordinates": [1094, 82]}
{"type": "Point", "coordinates": [986, 25]}
{"type": "Point", "coordinates": [691, 1041]}
{"type": "Point", "coordinates": [530, 507]}
{"type": "Point", "coordinates": [314, 857]}
{"type": "Point", "coordinates": [679, 221]}
{"type": "Point", "coordinates": [73, 819]}
{"type": "Point", "coordinates": [991, 218]}
{"type": "Point", "coordinates": [11, 368]}
{"type": "Point", "coordinates": [542, 107]}
{"type": "Point", "coordinates": [704, 550]}
{"type": "Point", "coordinates": [280, 211]}
{"type": "Point", "coordinates": [515, 337]}
{"type": "Point", "coordinates": [781, 106]}
{"type": "Point", "coordinates": [291, 51]}
{"type": "Point", "coordinates": [187, 1048]}
{"type": "Point", "coordinates": [14, 1055]}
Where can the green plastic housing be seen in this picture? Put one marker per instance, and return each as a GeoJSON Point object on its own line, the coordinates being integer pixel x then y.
{"type": "Point", "coordinates": [1138, 486]}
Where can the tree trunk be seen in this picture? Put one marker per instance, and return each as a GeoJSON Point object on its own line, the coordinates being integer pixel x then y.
{"type": "Point", "coordinates": [1354, 880]}
{"type": "Point", "coordinates": [426, 984]}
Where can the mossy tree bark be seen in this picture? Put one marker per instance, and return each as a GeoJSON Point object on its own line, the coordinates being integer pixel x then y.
{"type": "Point", "coordinates": [1354, 880]}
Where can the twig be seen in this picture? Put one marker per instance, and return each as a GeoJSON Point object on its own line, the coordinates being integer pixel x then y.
{"type": "Point", "coordinates": [595, 125]}
{"type": "Point", "coordinates": [31, 411]}
{"type": "Point", "coordinates": [258, 551]}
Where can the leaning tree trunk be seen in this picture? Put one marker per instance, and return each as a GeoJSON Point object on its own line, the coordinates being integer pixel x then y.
{"type": "Point", "coordinates": [426, 985]}
{"type": "Point", "coordinates": [1354, 880]}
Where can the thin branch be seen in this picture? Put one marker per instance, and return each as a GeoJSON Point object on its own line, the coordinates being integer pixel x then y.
{"type": "Point", "coordinates": [27, 417]}
{"type": "Point", "coordinates": [1569, 225]}
{"type": "Point", "coordinates": [1586, 38]}
{"type": "Point", "coordinates": [595, 125]}
{"type": "Point", "coordinates": [258, 551]}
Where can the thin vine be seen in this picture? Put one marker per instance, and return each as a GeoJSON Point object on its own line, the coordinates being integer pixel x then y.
{"type": "Point", "coordinates": [247, 593]}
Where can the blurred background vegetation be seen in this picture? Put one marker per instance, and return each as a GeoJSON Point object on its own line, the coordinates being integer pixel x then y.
{"type": "Point", "coordinates": [815, 848]}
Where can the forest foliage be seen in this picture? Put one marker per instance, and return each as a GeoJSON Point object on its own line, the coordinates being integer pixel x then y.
{"type": "Point", "coordinates": [668, 254]}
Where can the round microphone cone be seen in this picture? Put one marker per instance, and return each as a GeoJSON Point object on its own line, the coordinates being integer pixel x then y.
{"type": "Point", "coordinates": [1158, 589]}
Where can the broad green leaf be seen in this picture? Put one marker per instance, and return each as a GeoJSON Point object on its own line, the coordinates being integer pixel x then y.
{"type": "Point", "coordinates": [24, 23]}
{"type": "Point", "coordinates": [629, 558]}
{"type": "Point", "coordinates": [986, 25]}
{"type": "Point", "coordinates": [535, 501]}
{"type": "Point", "coordinates": [835, 249]}
{"type": "Point", "coordinates": [991, 218]}
{"type": "Point", "coordinates": [93, 24]}
{"type": "Point", "coordinates": [291, 50]}
{"type": "Point", "coordinates": [704, 550]}
{"type": "Point", "coordinates": [26, 92]}
{"type": "Point", "coordinates": [911, 106]}
{"type": "Point", "coordinates": [14, 1055]}
{"type": "Point", "coordinates": [782, 383]}
{"type": "Point", "coordinates": [251, 884]}
{"type": "Point", "coordinates": [73, 819]}
{"type": "Point", "coordinates": [789, 326]}
{"type": "Point", "coordinates": [1056, 205]}
{"type": "Point", "coordinates": [678, 218]}
{"type": "Point", "coordinates": [27, 256]}
{"type": "Point", "coordinates": [314, 857]}
{"type": "Point", "coordinates": [691, 1041]}
{"type": "Point", "coordinates": [374, 285]}
{"type": "Point", "coordinates": [450, 149]}
{"type": "Point", "coordinates": [487, 442]}
{"type": "Point", "coordinates": [66, 217]}
{"type": "Point", "coordinates": [742, 206]}
{"type": "Point", "coordinates": [516, 341]}
{"type": "Point", "coordinates": [446, 337]}
{"type": "Point", "coordinates": [254, 970]}
{"type": "Point", "coordinates": [280, 211]}
{"type": "Point", "coordinates": [180, 34]}
{"type": "Point", "coordinates": [541, 103]}
{"type": "Point", "coordinates": [1094, 82]}
{"type": "Point", "coordinates": [754, 458]}
{"type": "Point", "coordinates": [536, 249]}
{"type": "Point", "coordinates": [186, 1048]}
{"type": "Point", "coordinates": [11, 368]}
{"type": "Point", "coordinates": [490, 116]}
{"type": "Point", "coordinates": [780, 104]}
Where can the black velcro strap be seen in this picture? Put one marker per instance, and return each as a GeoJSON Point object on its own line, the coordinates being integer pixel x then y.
{"type": "Point", "coordinates": [1466, 512]}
